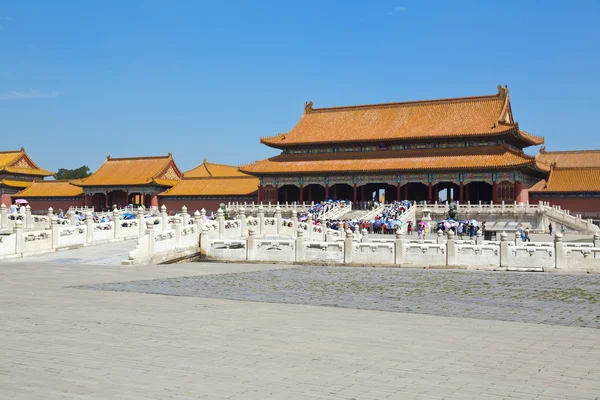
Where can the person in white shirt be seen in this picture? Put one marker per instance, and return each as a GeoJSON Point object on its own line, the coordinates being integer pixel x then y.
{"type": "Point", "coordinates": [22, 210]}
{"type": "Point", "coordinates": [13, 208]}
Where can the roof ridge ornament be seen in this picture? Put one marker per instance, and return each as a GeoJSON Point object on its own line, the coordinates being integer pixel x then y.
{"type": "Point", "coordinates": [308, 107]}
{"type": "Point", "coordinates": [502, 91]}
{"type": "Point", "coordinates": [543, 149]}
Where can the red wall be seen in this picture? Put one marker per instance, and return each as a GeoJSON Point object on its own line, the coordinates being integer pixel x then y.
{"type": "Point", "coordinates": [522, 192]}
{"type": "Point", "coordinates": [6, 199]}
{"type": "Point", "coordinates": [585, 206]}
{"type": "Point", "coordinates": [43, 205]}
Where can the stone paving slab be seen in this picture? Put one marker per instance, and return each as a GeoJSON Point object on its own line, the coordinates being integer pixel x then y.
{"type": "Point", "coordinates": [557, 299]}
{"type": "Point", "coordinates": [64, 343]}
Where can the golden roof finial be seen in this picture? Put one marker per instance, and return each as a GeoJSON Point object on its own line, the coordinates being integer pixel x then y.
{"type": "Point", "coordinates": [308, 106]}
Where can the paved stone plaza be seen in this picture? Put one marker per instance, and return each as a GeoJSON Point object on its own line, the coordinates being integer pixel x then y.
{"type": "Point", "coordinates": [570, 300]}
{"type": "Point", "coordinates": [64, 342]}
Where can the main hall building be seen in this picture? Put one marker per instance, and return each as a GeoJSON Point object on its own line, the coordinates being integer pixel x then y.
{"type": "Point", "coordinates": [469, 149]}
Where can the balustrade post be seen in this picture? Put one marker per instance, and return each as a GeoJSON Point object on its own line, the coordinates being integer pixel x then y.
{"type": "Point", "coordinates": [149, 225]}
{"type": "Point", "coordinates": [204, 244]}
{"type": "Point", "coordinates": [3, 217]}
{"type": "Point", "coordinates": [177, 228]}
{"type": "Point", "coordinates": [440, 237]}
{"type": "Point", "coordinates": [596, 244]}
{"type": "Point", "coordinates": [251, 244]}
{"type": "Point", "coordinates": [278, 218]}
{"type": "Point", "coordinates": [221, 223]}
{"type": "Point", "coordinates": [478, 237]}
{"type": "Point", "coordinates": [261, 220]}
{"type": "Point", "coordinates": [28, 219]}
{"type": "Point", "coordinates": [357, 232]}
{"type": "Point", "coordinates": [243, 221]}
{"type": "Point", "coordinates": [559, 251]}
{"type": "Point", "coordinates": [348, 245]}
{"type": "Point", "coordinates": [518, 239]}
{"type": "Point", "coordinates": [399, 248]}
{"type": "Point", "coordinates": [309, 222]}
{"type": "Point", "coordinates": [116, 224]}
{"type": "Point", "coordinates": [294, 222]}
{"type": "Point", "coordinates": [54, 231]}
{"type": "Point", "coordinates": [20, 238]}
{"type": "Point", "coordinates": [504, 251]}
{"type": "Point", "coordinates": [185, 216]}
{"type": "Point", "coordinates": [164, 218]}
{"type": "Point", "coordinates": [141, 222]}
{"type": "Point", "coordinates": [364, 238]}
{"type": "Point", "coordinates": [72, 219]}
{"type": "Point", "coordinates": [451, 248]}
{"type": "Point", "coordinates": [48, 224]}
{"type": "Point", "coordinates": [300, 245]}
{"type": "Point", "coordinates": [89, 227]}
{"type": "Point", "coordinates": [202, 219]}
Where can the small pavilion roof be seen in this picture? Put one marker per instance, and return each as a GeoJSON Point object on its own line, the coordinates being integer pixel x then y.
{"type": "Point", "coordinates": [160, 170]}
{"type": "Point", "coordinates": [466, 117]}
{"type": "Point", "coordinates": [18, 162]}
{"type": "Point", "coordinates": [15, 184]}
{"type": "Point", "coordinates": [210, 179]}
{"type": "Point", "coordinates": [487, 157]}
{"type": "Point", "coordinates": [572, 158]}
{"type": "Point", "coordinates": [207, 170]}
{"type": "Point", "coordinates": [55, 188]}
{"type": "Point", "coordinates": [230, 186]}
{"type": "Point", "coordinates": [570, 180]}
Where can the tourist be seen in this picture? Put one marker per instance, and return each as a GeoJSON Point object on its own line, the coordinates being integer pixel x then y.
{"type": "Point", "coordinates": [550, 228]}
{"type": "Point", "coordinates": [60, 213]}
{"type": "Point", "coordinates": [409, 228]}
{"type": "Point", "coordinates": [22, 209]}
{"type": "Point", "coordinates": [526, 235]}
{"type": "Point", "coordinates": [562, 228]}
{"type": "Point", "coordinates": [14, 208]}
{"type": "Point", "coordinates": [460, 230]}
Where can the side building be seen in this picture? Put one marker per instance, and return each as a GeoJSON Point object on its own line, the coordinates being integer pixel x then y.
{"type": "Point", "coordinates": [17, 171]}
{"type": "Point", "coordinates": [209, 185]}
{"type": "Point", "coordinates": [124, 181]}
{"type": "Point", "coordinates": [58, 194]}
{"type": "Point", "coordinates": [462, 149]}
{"type": "Point", "coordinates": [573, 182]}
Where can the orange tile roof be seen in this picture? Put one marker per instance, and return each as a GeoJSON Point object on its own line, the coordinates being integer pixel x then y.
{"type": "Point", "coordinates": [57, 188]}
{"type": "Point", "coordinates": [133, 171]}
{"type": "Point", "coordinates": [207, 169]}
{"type": "Point", "coordinates": [17, 184]}
{"type": "Point", "coordinates": [468, 117]}
{"type": "Point", "coordinates": [496, 157]}
{"type": "Point", "coordinates": [574, 158]}
{"type": "Point", "coordinates": [568, 180]}
{"type": "Point", "coordinates": [18, 162]}
{"type": "Point", "coordinates": [226, 186]}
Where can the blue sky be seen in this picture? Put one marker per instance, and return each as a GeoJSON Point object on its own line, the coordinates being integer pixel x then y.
{"type": "Point", "coordinates": [83, 79]}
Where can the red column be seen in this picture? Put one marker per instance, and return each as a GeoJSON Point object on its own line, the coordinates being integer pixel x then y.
{"type": "Point", "coordinates": [301, 200]}
{"type": "Point", "coordinates": [327, 192]}
{"type": "Point", "coordinates": [154, 200]}
{"type": "Point", "coordinates": [494, 192]}
{"type": "Point", "coordinates": [276, 194]}
{"type": "Point", "coordinates": [405, 197]}
{"type": "Point", "coordinates": [398, 191]}
{"type": "Point", "coordinates": [355, 196]}
{"type": "Point", "coordinates": [260, 193]}
{"type": "Point", "coordinates": [430, 194]}
{"type": "Point", "coordinates": [106, 198]}
{"type": "Point", "coordinates": [461, 195]}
